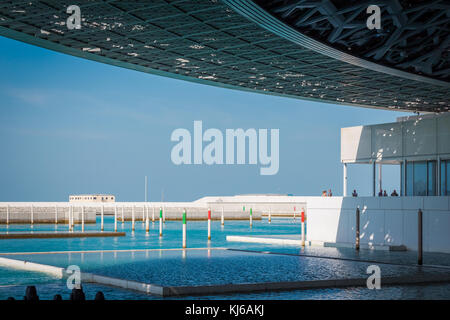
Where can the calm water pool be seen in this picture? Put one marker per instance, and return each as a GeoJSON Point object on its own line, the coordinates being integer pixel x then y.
{"type": "Point", "coordinates": [213, 266]}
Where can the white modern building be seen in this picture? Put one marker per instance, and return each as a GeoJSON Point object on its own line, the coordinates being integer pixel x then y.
{"type": "Point", "coordinates": [420, 145]}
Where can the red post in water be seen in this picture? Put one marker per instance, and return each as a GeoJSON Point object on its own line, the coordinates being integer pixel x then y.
{"type": "Point", "coordinates": [209, 224]}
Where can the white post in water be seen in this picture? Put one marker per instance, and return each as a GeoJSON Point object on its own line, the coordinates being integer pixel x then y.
{"type": "Point", "coordinates": [251, 217]}
{"type": "Point", "coordinates": [209, 223]}
{"type": "Point", "coordinates": [270, 215]}
{"type": "Point", "coordinates": [184, 229]}
{"type": "Point", "coordinates": [82, 219]}
{"type": "Point", "coordinates": [70, 224]}
{"type": "Point", "coordinates": [160, 221]}
{"type": "Point", "coordinates": [164, 214]}
{"type": "Point", "coordinates": [102, 213]}
{"type": "Point", "coordinates": [221, 218]}
{"type": "Point", "coordinates": [123, 219]}
{"type": "Point", "coordinates": [115, 218]}
{"type": "Point", "coordinates": [303, 227]}
{"type": "Point", "coordinates": [132, 218]}
{"type": "Point", "coordinates": [56, 214]}
{"type": "Point", "coordinates": [73, 219]}
{"type": "Point", "coordinates": [143, 214]}
{"type": "Point", "coordinates": [7, 214]}
{"type": "Point", "coordinates": [32, 215]}
{"type": "Point", "coordinates": [147, 224]}
{"type": "Point", "coordinates": [153, 214]}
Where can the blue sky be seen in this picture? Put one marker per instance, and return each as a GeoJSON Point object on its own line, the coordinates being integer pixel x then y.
{"type": "Point", "coordinates": [69, 125]}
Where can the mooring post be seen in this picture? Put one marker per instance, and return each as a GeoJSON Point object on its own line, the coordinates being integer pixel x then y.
{"type": "Point", "coordinates": [70, 222]}
{"type": "Point", "coordinates": [143, 214]}
{"type": "Point", "coordinates": [7, 214]}
{"type": "Point", "coordinates": [32, 215]}
{"type": "Point", "coordinates": [303, 227]}
{"type": "Point", "coordinates": [222, 220]}
{"type": "Point", "coordinates": [251, 217]}
{"type": "Point", "coordinates": [270, 215]}
{"type": "Point", "coordinates": [420, 238]}
{"type": "Point", "coordinates": [294, 213]}
{"type": "Point", "coordinates": [184, 229]}
{"type": "Point", "coordinates": [73, 219]}
{"type": "Point", "coordinates": [82, 219]}
{"type": "Point", "coordinates": [132, 218]}
{"type": "Point", "coordinates": [147, 223]}
{"type": "Point", "coordinates": [357, 228]}
{"type": "Point", "coordinates": [209, 223]}
{"type": "Point", "coordinates": [102, 213]}
{"type": "Point", "coordinates": [164, 214]}
{"type": "Point", "coordinates": [153, 214]}
{"type": "Point", "coordinates": [160, 222]}
{"type": "Point", "coordinates": [115, 218]}
{"type": "Point", "coordinates": [123, 218]}
{"type": "Point", "coordinates": [56, 214]}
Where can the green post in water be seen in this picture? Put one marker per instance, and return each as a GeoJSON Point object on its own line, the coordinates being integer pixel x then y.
{"type": "Point", "coordinates": [251, 218]}
{"type": "Point", "coordinates": [184, 229]}
{"type": "Point", "coordinates": [243, 208]}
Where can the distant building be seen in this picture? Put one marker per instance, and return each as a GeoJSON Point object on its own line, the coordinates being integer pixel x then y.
{"type": "Point", "coordinates": [92, 198]}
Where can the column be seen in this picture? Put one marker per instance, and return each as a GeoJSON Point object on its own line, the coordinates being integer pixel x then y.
{"type": "Point", "coordinates": [374, 164]}
{"type": "Point", "coordinates": [345, 181]}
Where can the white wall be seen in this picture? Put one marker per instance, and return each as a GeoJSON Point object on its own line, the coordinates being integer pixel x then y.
{"type": "Point", "coordinates": [417, 139]}
{"type": "Point", "coordinates": [383, 221]}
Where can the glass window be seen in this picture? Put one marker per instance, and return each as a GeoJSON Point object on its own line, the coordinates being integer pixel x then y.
{"type": "Point", "coordinates": [409, 178]}
{"type": "Point", "coordinates": [447, 178]}
{"type": "Point", "coordinates": [420, 178]}
{"type": "Point", "coordinates": [443, 165]}
{"type": "Point", "coordinates": [431, 178]}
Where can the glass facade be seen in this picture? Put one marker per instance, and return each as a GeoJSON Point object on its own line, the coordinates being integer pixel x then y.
{"type": "Point", "coordinates": [421, 178]}
{"type": "Point", "coordinates": [445, 177]}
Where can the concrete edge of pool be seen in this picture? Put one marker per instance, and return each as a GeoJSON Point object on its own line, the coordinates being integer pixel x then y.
{"type": "Point", "coordinates": [50, 235]}
{"type": "Point", "coordinates": [294, 240]}
{"type": "Point", "coordinates": [167, 291]}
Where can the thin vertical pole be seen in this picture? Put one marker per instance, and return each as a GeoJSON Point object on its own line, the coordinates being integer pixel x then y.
{"type": "Point", "coordinates": [164, 214]}
{"type": "Point", "coordinates": [7, 214]}
{"type": "Point", "coordinates": [143, 214]}
{"type": "Point", "coordinates": [160, 222]}
{"type": "Point", "coordinates": [374, 178]}
{"type": "Point", "coordinates": [270, 215]}
{"type": "Point", "coordinates": [153, 214]}
{"type": "Point", "coordinates": [222, 219]}
{"type": "Point", "coordinates": [146, 188]}
{"type": "Point", "coordinates": [380, 176]}
{"type": "Point", "coordinates": [70, 218]}
{"type": "Point", "coordinates": [303, 227]}
{"type": "Point", "coordinates": [102, 213]}
{"type": "Point", "coordinates": [56, 214]}
{"type": "Point", "coordinates": [123, 218]}
{"type": "Point", "coordinates": [251, 217]}
{"type": "Point", "coordinates": [147, 225]}
{"type": "Point", "coordinates": [420, 238]}
{"type": "Point", "coordinates": [82, 219]}
{"type": "Point", "coordinates": [209, 224]}
{"type": "Point", "coordinates": [357, 226]}
{"type": "Point", "coordinates": [32, 214]}
{"type": "Point", "coordinates": [115, 218]}
{"type": "Point", "coordinates": [132, 218]}
{"type": "Point", "coordinates": [184, 229]}
{"type": "Point", "coordinates": [345, 180]}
